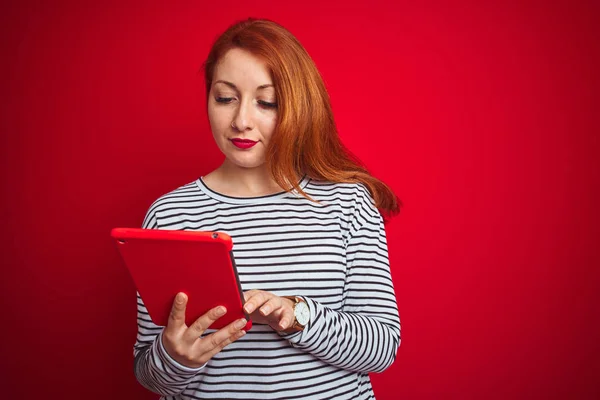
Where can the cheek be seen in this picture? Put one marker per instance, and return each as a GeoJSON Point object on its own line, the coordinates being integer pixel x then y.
{"type": "Point", "coordinates": [217, 120]}
{"type": "Point", "coordinates": [268, 125]}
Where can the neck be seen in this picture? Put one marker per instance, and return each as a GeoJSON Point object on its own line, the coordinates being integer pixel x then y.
{"type": "Point", "coordinates": [234, 181]}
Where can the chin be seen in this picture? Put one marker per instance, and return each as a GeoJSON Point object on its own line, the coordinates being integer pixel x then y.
{"type": "Point", "coordinates": [246, 163]}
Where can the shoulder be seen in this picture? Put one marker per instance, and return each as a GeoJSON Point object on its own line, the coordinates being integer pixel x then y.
{"type": "Point", "coordinates": [174, 199]}
{"type": "Point", "coordinates": [353, 200]}
{"type": "Point", "coordinates": [349, 194]}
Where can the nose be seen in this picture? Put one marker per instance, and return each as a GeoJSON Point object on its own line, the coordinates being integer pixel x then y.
{"type": "Point", "coordinates": [243, 116]}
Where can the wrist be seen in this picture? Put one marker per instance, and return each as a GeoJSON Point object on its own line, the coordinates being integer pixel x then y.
{"type": "Point", "coordinates": [301, 314]}
{"type": "Point", "coordinates": [170, 356]}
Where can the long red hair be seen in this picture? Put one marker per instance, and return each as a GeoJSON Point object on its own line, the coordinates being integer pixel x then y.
{"type": "Point", "coordinates": [306, 140]}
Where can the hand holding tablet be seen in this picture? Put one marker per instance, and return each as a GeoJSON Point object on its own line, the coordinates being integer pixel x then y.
{"type": "Point", "coordinates": [164, 263]}
{"type": "Point", "coordinates": [186, 344]}
{"type": "Point", "coordinates": [188, 283]}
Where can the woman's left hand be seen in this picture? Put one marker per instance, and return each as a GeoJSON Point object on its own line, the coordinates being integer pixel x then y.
{"type": "Point", "coordinates": [267, 308]}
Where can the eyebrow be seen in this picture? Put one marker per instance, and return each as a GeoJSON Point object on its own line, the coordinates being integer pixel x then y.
{"type": "Point", "coordinates": [231, 85]}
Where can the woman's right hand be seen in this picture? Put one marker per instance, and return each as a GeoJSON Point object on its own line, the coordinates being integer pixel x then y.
{"type": "Point", "coordinates": [185, 344]}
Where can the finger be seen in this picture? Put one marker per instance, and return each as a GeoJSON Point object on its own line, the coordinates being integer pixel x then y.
{"type": "Point", "coordinates": [215, 342]}
{"type": "Point", "coordinates": [271, 305]}
{"type": "Point", "coordinates": [218, 337]}
{"type": "Point", "coordinates": [286, 318]}
{"type": "Point", "coordinates": [255, 300]}
{"type": "Point", "coordinates": [177, 315]}
{"type": "Point", "coordinates": [204, 322]}
{"type": "Point", "coordinates": [249, 293]}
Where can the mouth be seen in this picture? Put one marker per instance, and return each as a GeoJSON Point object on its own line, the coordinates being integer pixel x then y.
{"type": "Point", "coordinates": [243, 143]}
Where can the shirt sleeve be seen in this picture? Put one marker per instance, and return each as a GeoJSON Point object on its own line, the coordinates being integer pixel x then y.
{"type": "Point", "coordinates": [154, 368]}
{"type": "Point", "coordinates": [364, 335]}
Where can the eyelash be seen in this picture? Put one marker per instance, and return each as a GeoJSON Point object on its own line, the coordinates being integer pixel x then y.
{"type": "Point", "coordinates": [227, 100]}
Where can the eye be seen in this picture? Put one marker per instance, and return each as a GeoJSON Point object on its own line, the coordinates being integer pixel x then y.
{"type": "Point", "coordinates": [266, 104]}
{"type": "Point", "coordinates": [224, 100]}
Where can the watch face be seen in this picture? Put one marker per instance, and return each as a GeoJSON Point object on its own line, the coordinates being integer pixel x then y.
{"type": "Point", "coordinates": [302, 313]}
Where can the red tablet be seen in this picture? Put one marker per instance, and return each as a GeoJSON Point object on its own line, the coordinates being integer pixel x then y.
{"type": "Point", "coordinates": [200, 264]}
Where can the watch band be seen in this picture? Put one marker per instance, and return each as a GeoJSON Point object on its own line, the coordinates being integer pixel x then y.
{"type": "Point", "coordinates": [296, 326]}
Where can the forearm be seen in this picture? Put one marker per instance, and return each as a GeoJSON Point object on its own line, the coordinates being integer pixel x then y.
{"type": "Point", "coordinates": [349, 340]}
{"type": "Point", "coordinates": [362, 333]}
{"type": "Point", "coordinates": [153, 367]}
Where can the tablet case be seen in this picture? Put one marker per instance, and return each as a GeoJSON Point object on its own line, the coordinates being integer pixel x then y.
{"type": "Point", "coordinates": [200, 264]}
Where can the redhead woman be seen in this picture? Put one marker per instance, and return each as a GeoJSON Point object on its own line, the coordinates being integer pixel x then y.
{"type": "Point", "coordinates": [309, 240]}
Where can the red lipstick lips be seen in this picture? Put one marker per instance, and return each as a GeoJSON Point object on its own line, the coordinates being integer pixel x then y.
{"type": "Point", "coordinates": [243, 143]}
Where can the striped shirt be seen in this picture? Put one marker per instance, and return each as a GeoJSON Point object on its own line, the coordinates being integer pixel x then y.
{"type": "Point", "coordinates": [332, 253]}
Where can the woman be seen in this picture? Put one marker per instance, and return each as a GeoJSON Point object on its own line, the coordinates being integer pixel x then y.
{"type": "Point", "coordinates": [309, 240]}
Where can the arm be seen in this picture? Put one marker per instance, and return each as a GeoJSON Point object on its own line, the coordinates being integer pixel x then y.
{"type": "Point", "coordinates": [365, 334]}
{"type": "Point", "coordinates": [168, 358]}
{"type": "Point", "coordinates": [153, 367]}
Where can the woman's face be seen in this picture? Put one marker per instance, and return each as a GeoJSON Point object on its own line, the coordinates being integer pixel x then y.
{"type": "Point", "coordinates": [242, 108]}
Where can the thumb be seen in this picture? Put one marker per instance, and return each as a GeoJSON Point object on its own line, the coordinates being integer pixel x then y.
{"type": "Point", "coordinates": [177, 316]}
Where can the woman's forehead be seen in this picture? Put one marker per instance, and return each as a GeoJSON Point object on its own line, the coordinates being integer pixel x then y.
{"type": "Point", "coordinates": [243, 69]}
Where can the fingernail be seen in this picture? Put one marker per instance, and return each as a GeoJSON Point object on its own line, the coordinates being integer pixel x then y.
{"type": "Point", "coordinates": [240, 323]}
{"type": "Point", "coordinates": [179, 298]}
{"type": "Point", "coordinates": [265, 310]}
{"type": "Point", "coordinates": [248, 308]}
{"type": "Point", "coordinates": [221, 311]}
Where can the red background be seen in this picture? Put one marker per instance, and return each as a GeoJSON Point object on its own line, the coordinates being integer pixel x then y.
{"type": "Point", "coordinates": [483, 118]}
